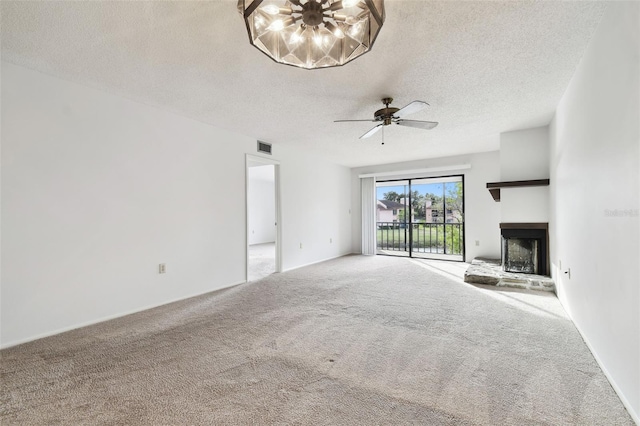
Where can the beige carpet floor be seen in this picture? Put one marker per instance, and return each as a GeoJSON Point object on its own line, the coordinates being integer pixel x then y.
{"type": "Point", "coordinates": [353, 341]}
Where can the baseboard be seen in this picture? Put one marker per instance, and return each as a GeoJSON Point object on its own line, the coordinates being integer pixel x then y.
{"type": "Point", "coordinates": [634, 416]}
{"type": "Point", "coordinates": [110, 317]}
{"type": "Point", "coordinates": [317, 261]}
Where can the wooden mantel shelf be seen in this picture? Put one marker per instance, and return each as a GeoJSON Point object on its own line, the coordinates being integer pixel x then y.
{"type": "Point", "coordinates": [494, 187]}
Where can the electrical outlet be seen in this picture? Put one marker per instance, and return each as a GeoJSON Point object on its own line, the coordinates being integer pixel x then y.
{"type": "Point", "coordinates": [330, 240]}
{"type": "Point", "coordinates": [300, 245]}
{"type": "Point", "coordinates": [162, 268]}
{"type": "Point", "coordinates": [477, 242]}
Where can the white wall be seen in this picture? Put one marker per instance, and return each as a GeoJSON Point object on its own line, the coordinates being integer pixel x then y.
{"type": "Point", "coordinates": [261, 198]}
{"type": "Point", "coordinates": [595, 188]}
{"type": "Point", "coordinates": [98, 190]}
{"type": "Point", "coordinates": [482, 214]}
{"type": "Point", "coordinates": [316, 202]}
{"type": "Point", "coordinates": [524, 155]}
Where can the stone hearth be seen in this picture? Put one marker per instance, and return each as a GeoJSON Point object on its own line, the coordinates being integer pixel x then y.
{"type": "Point", "coordinates": [489, 271]}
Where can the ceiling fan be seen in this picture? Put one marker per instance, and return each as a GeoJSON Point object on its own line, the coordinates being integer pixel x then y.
{"type": "Point", "coordinates": [388, 115]}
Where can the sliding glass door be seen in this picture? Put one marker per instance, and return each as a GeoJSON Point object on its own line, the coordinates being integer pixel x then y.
{"type": "Point", "coordinates": [438, 228]}
{"type": "Point", "coordinates": [421, 218]}
{"type": "Point", "coordinates": [392, 218]}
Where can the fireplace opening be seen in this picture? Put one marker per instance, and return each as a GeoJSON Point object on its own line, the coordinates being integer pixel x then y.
{"type": "Point", "coordinates": [521, 255]}
{"type": "Point", "coordinates": [525, 248]}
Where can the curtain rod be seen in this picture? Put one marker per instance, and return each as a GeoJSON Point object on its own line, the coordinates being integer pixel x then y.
{"type": "Point", "coordinates": [415, 171]}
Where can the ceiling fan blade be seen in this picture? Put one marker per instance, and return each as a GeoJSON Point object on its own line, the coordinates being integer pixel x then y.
{"type": "Point", "coordinates": [372, 131]}
{"type": "Point", "coordinates": [413, 107]}
{"type": "Point", "coordinates": [349, 121]}
{"type": "Point", "coordinates": [426, 125]}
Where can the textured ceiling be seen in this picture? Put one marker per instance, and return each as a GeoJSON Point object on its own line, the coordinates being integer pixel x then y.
{"type": "Point", "coordinates": [484, 67]}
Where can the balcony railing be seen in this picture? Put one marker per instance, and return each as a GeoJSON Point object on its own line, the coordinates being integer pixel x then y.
{"type": "Point", "coordinates": [442, 238]}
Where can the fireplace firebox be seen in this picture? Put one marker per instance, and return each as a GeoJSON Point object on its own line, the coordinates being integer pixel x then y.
{"type": "Point", "coordinates": [525, 248]}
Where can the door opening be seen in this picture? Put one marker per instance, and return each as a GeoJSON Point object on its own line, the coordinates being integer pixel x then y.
{"type": "Point", "coordinates": [421, 218]}
{"type": "Point", "coordinates": [263, 255]}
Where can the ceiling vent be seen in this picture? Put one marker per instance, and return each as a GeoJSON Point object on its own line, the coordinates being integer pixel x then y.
{"type": "Point", "coordinates": [264, 147]}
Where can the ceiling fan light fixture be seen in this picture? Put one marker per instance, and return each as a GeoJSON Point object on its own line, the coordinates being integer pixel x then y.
{"type": "Point", "coordinates": [297, 37]}
{"type": "Point", "coordinates": [317, 37]}
{"type": "Point", "coordinates": [343, 30]}
{"type": "Point", "coordinates": [280, 24]}
{"type": "Point", "coordinates": [334, 29]}
{"type": "Point", "coordinates": [352, 20]}
{"type": "Point", "coordinates": [271, 9]}
{"type": "Point", "coordinates": [336, 5]}
{"type": "Point", "coordinates": [350, 3]}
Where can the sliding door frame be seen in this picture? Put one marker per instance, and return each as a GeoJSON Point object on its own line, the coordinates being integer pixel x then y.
{"type": "Point", "coordinates": [410, 223]}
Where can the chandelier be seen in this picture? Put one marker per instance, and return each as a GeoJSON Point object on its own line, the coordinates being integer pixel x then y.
{"type": "Point", "coordinates": [313, 33]}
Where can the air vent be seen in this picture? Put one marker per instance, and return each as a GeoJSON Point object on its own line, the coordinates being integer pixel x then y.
{"type": "Point", "coordinates": [264, 147]}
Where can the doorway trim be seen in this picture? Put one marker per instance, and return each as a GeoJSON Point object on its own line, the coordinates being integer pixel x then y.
{"type": "Point", "coordinates": [249, 158]}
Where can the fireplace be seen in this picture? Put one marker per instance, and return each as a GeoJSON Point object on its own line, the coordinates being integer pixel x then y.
{"type": "Point", "coordinates": [525, 248]}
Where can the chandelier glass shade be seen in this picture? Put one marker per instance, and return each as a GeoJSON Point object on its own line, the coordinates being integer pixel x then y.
{"type": "Point", "coordinates": [313, 33]}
